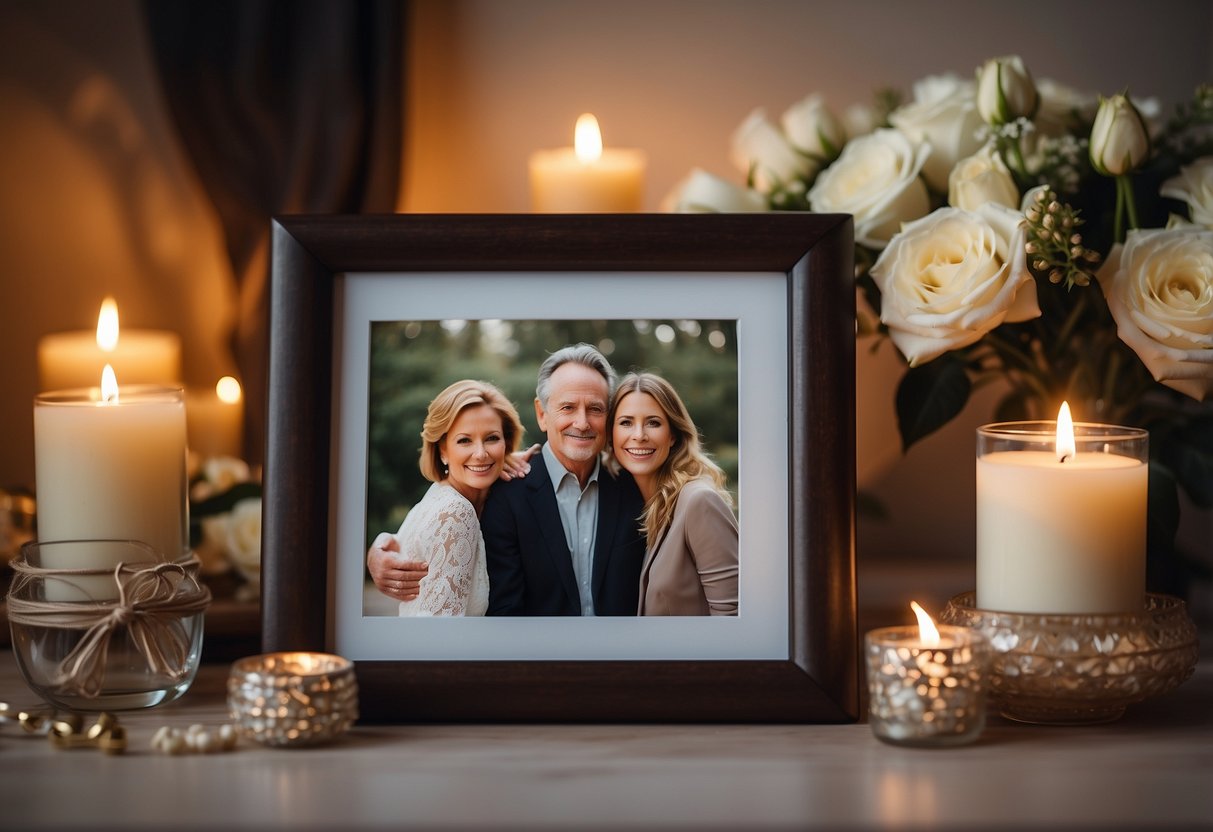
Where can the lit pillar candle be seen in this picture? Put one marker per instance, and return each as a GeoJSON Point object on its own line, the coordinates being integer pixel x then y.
{"type": "Point", "coordinates": [1061, 517]}
{"type": "Point", "coordinates": [68, 360]}
{"type": "Point", "coordinates": [587, 178]}
{"type": "Point", "coordinates": [110, 465]}
{"type": "Point", "coordinates": [214, 419]}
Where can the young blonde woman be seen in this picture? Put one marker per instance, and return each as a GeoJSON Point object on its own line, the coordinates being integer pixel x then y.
{"type": "Point", "coordinates": [470, 429]}
{"type": "Point", "coordinates": [690, 565]}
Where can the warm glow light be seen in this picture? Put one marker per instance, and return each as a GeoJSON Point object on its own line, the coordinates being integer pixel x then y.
{"type": "Point", "coordinates": [928, 634]}
{"type": "Point", "coordinates": [587, 139]}
{"type": "Point", "coordinates": [228, 390]}
{"type": "Point", "coordinates": [107, 325]}
{"type": "Point", "coordinates": [109, 385]}
{"type": "Point", "coordinates": [1065, 434]}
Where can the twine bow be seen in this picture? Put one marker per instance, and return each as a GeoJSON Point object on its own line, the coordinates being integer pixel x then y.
{"type": "Point", "coordinates": [152, 603]}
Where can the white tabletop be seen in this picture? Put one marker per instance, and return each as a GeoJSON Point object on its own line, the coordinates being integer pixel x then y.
{"type": "Point", "coordinates": [1153, 769]}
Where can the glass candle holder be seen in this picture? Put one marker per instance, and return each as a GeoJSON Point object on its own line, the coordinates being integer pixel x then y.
{"type": "Point", "coordinates": [116, 638]}
{"type": "Point", "coordinates": [1081, 669]}
{"type": "Point", "coordinates": [292, 699]}
{"type": "Point", "coordinates": [923, 695]}
{"type": "Point", "coordinates": [1061, 529]}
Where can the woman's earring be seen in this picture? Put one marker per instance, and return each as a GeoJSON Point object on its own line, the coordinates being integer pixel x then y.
{"type": "Point", "coordinates": [445, 469]}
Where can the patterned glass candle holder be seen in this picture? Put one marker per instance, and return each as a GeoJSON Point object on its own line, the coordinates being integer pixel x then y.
{"type": "Point", "coordinates": [293, 699]}
{"type": "Point", "coordinates": [922, 695]}
{"type": "Point", "coordinates": [1081, 669]}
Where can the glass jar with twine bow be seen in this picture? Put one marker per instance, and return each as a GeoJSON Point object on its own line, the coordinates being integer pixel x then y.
{"type": "Point", "coordinates": [106, 639]}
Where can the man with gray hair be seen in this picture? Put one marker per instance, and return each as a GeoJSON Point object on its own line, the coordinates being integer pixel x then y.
{"type": "Point", "coordinates": [564, 539]}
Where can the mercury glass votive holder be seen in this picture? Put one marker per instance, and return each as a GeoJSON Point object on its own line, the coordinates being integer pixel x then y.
{"type": "Point", "coordinates": [293, 699]}
{"type": "Point", "coordinates": [923, 695]}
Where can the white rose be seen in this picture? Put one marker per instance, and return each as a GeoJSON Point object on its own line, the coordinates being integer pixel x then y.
{"type": "Point", "coordinates": [875, 179]}
{"type": "Point", "coordinates": [244, 536]}
{"type": "Point", "coordinates": [813, 129]}
{"type": "Point", "coordinates": [222, 472]}
{"type": "Point", "coordinates": [1194, 185]}
{"type": "Point", "coordinates": [702, 192]}
{"type": "Point", "coordinates": [212, 548]}
{"type": "Point", "coordinates": [859, 120]}
{"type": "Point", "coordinates": [758, 147]}
{"type": "Point", "coordinates": [1062, 108]}
{"type": "Point", "coordinates": [951, 277]}
{"type": "Point", "coordinates": [981, 178]}
{"type": "Point", "coordinates": [1159, 287]}
{"type": "Point", "coordinates": [944, 115]}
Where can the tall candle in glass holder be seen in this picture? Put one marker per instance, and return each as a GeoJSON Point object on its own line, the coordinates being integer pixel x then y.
{"type": "Point", "coordinates": [1061, 517]}
{"type": "Point", "coordinates": [110, 464]}
{"type": "Point", "coordinates": [587, 178]}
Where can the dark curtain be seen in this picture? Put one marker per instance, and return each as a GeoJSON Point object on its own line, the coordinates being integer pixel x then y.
{"type": "Point", "coordinates": [283, 106]}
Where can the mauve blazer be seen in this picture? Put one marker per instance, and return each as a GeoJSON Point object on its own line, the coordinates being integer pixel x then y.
{"type": "Point", "coordinates": [693, 568]}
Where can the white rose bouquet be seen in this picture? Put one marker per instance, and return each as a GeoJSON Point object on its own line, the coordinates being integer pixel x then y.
{"type": "Point", "coordinates": [225, 525]}
{"type": "Point", "coordinates": [1024, 232]}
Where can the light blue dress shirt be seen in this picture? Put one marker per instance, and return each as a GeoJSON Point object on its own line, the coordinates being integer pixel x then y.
{"type": "Point", "coordinates": [579, 515]}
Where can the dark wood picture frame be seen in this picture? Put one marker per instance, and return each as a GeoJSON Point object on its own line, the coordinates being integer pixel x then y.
{"type": "Point", "coordinates": [816, 682]}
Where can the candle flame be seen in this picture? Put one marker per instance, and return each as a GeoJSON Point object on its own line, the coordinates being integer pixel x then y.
{"type": "Point", "coordinates": [587, 139]}
{"type": "Point", "coordinates": [1066, 448]}
{"type": "Point", "coordinates": [928, 633]}
{"type": "Point", "coordinates": [109, 385]}
{"type": "Point", "coordinates": [107, 325]}
{"type": "Point", "coordinates": [228, 390]}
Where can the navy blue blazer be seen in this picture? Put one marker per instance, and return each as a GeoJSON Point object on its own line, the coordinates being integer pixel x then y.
{"type": "Point", "coordinates": [529, 564]}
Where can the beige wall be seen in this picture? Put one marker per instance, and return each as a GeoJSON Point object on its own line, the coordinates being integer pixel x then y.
{"type": "Point", "coordinates": [86, 155]}
{"type": "Point", "coordinates": [493, 80]}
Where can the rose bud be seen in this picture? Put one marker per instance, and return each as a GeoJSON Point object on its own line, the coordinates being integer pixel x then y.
{"type": "Point", "coordinates": [1006, 91]}
{"type": "Point", "coordinates": [1120, 141]}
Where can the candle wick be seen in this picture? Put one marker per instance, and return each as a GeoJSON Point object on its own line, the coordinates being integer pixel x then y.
{"type": "Point", "coordinates": [1065, 458]}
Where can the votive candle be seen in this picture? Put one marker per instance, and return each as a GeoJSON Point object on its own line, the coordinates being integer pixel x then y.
{"type": "Point", "coordinates": [924, 691]}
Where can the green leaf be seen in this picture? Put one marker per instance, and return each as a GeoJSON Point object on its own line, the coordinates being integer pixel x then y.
{"type": "Point", "coordinates": [929, 397]}
{"type": "Point", "coordinates": [867, 504]}
{"type": "Point", "coordinates": [1164, 570]}
{"type": "Point", "coordinates": [224, 502]}
{"type": "Point", "coordinates": [1189, 453]}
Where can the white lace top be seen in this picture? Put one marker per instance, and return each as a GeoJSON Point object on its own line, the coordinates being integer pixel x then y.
{"type": "Point", "coordinates": [443, 531]}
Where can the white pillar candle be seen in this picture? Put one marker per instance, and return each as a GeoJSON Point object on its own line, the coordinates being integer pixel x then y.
{"type": "Point", "coordinates": [1066, 535]}
{"type": "Point", "coordinates": [68, 360]}
{"type": "Point", "coordinates": [215, 419]}
{"type": "Point", "coordinates": [587, 178]}
{"type": "Point", "coordinates": [112, 468]}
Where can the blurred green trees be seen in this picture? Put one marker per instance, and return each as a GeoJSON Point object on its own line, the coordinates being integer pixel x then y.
{"type": "Point", "coordinates": [411, 361]}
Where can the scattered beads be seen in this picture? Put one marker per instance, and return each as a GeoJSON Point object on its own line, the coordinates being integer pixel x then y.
{"type": "Point", "coordinates": [194, 740]}
{"type": "Point", "coordinates": [66, 731]}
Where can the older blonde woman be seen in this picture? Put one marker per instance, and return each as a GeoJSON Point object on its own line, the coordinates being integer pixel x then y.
{"type": "Point", "coordinates": [470, 429]}
{"type": "Point", "coordinates": [690, 565]}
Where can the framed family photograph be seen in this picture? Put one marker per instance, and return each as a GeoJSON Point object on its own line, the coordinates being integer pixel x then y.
{"type": "Point", "coordinates": [749, 318]}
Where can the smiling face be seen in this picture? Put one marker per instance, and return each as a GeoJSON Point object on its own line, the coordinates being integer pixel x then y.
{"type": "Point", "coordinates": [575, 417]}
{"type": "Point", "coordinates": [641, 437]}
{"type": "Point", "coordinates": [474, 450]}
